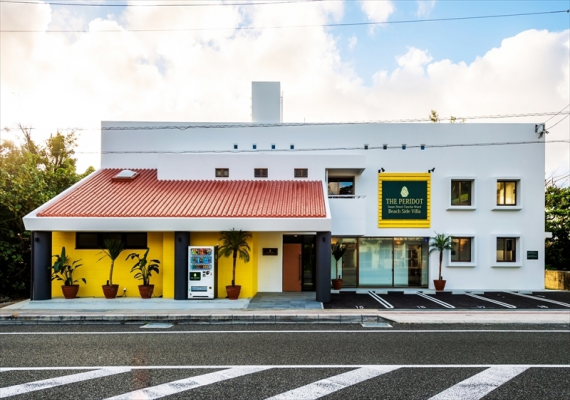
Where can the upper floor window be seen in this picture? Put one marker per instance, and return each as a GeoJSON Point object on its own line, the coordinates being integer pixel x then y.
{"type": "Point", "coordinates": [341, 185]}
{"type": "Point", "coordinates": [301, 173]}
{"type": "Point", "coordinates": [506, 249]}
{"type": "Point", "coordinates": [461, 192]}
{"type": "Point", "coordinates": [260, 172]}
{"type": "Point", "coordinates": [222, 172]}
{"type": "Point", "coordinates": [506, 193]}
{"type": "Point", "coordinates": [461, 249]}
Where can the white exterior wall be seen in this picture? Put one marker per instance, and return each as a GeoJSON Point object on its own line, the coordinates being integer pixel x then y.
{"type": "Point", "coordinates": [485, 164]}
{"type": "Point", "coordinates": [270, 271]}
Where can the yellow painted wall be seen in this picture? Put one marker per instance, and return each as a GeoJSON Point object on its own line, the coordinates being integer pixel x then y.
{"type": "Point", "coordinates": [97, 272]}
{"type": "Point", "coordinates": [167, 262]}
{"type": "Point", "coordinates": [246, 274]}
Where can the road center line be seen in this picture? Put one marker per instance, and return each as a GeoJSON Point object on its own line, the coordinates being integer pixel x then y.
{"type": "Point", "coordinates": [335, 383]}
{"type": "Point", "coordinates": [63, 380]}
{"type": "Point", "coordinates": [291, 331]}
{"type": "Point", "coordinates": [478, 386]}
{"type": "Point", "coordinates": [182, 385]}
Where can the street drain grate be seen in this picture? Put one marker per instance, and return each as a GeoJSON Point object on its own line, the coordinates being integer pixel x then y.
{"type": "Point", "coordinates": [156, 326]}
{"type": "Point", "coordinates": [376, 325]}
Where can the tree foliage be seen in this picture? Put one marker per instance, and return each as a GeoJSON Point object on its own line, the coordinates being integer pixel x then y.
{"type": "Point", "coordinates": [557, 249]}
{"type": "Point", "coordinates": [30, 174]}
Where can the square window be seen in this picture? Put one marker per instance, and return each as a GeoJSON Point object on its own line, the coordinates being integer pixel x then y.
{"type": "Point", "coordinates": [506, 193]}
{"type": "Point", "coordinates": [301, 173]}
{"type": "Point", "coordinates": [365, 147]}
{"type": "Point", "coordinates": [403, 147]}
{"type": "Point", "coordinates": [461, 192]}
{"type": "Point", "coordinates": [260, 172]}
{"type": "Point", "coordinates": [506, 249]}
{"type": "Point", "coordinates": [222, 172]}
{"type": "Point", "coordinates": [461, 249]}
{"type": "Point", "coordinates": [86, 240]}
{"type": "Point", "coordinates": [422, 146]}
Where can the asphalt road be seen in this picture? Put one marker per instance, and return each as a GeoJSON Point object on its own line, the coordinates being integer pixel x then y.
{"type": "Point", "coordinates": [290, 361]}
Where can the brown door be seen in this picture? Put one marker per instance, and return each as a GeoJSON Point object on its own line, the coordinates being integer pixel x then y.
{"type": "Point", "coordinates": [292, 267]}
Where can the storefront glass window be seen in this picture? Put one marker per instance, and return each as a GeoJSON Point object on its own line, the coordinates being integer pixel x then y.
{"type": "Point", "coordinates": [375, 262]}
{"type": "Point", "coordinates": [347, 264]}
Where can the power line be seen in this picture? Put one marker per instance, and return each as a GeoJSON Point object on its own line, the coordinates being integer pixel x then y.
{"type": "Point", "coordinates": [550, 127]}
{"type": "Point", "coordinates": [335, 25]}
{"type": "Point", "coordinates": [250, 3]}
{"type": "Point", "coordinates": [557, 113]}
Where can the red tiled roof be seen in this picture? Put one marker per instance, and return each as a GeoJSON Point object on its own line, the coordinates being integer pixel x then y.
{"type": "Point", "coordinates": [146, 196]}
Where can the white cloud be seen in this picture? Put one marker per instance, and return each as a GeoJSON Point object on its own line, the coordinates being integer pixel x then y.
{"type": "Point", "coordinates": [377, 11]}
{"type": "Point", "coordinates": [53, 82]}
{"type": "Point", "coordinates": [352, 42]}
{"type": "Point", "coordinates": [425, 7]}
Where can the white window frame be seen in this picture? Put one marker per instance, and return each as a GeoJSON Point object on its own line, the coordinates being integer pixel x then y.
{"type": "Point", "coordinates": [519, 251]}
{"type": "Point", "coordinates": [473, 205]}
{"type": "Point", "coordinates": [519, 194]}
{"type": "Point", "coordinates": [463, 264]}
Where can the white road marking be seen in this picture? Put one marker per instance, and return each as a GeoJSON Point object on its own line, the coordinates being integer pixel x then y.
{"type": "Point", "coordinates": [541, 299]}
{"type": "Point", "coordinates": [63, 380]}
{"type": "Point", "coordinates": [330, 385]}
{"type": "Point", "coordinates": [481, 384]}
{"type": "Point", "coordinates": [290, 331]}
{"type": "Point", "coordinates": [182, 385]}
{"type": "Point", "coordinates": [380, 300]}
{"type": "Point", "coordinates": [437, 301]}
{"type": "Point", "coordinates": [491, 301]}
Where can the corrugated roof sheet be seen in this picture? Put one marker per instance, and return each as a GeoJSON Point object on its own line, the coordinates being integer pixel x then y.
{"type": "Point", "coordinates": [146, 196]}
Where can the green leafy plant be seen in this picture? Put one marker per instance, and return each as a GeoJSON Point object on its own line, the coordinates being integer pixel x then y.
{"type": "Point", "coordinates": [337, 251]}
{"type": "Point", "coordinates": [234, 243]}
{"type": "Point", "coordinates": [113, 249]}
{"type": "Point", "coordinates": [63, 271]}
{"type": "Point", "coordinates": [144, 268]}
{"type": "Point", "coordinates": [440, 243]}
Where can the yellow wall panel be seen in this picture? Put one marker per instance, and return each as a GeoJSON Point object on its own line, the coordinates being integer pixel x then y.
{"type": "Point", "coordinates": [167, 262]}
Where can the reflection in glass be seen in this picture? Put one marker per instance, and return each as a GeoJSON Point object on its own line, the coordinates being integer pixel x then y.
{"type": "Point", "coordinates": [461, 250]}
{"type": "Point", "coordinates": [375, 262]}
{"type": "Point", "coordinates": [347, 264]}
{"type": "Point", "coordinates": [461, 193]}
{"type": "Point", "coordinates": [506, 249]}
{"type": "Point", "coordinates": [341, 186]}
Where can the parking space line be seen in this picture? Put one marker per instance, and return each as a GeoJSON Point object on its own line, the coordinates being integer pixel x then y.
{"type": "Point", "coordinates": [478, 386]}
{"type": "Point", "coordinates": [541, 299]}
{"type": "Point", "coordinates": [333, 384]}
{"type": "Point", "coordinates": [380, 299]}
{"type": "Point", "coordinates": [491, 301]}
{"type": "Point", "coordinates": [63, 380]}
{"type": "Point", "coordinates": [441, 303]}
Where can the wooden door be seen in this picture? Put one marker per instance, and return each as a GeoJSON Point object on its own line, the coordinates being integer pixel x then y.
{"type": "Point", "coordinates": [292, 267]}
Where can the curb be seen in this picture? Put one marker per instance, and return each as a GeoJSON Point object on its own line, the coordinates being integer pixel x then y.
{"type": "Point", "coordinates": [201, 319]}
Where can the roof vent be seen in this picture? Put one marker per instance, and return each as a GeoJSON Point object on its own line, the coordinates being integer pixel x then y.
{"type": "Point", "coordinates": [125, 175]}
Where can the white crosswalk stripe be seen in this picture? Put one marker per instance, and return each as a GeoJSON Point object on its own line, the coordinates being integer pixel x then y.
{"type": "Point", "coordinates": [330, 385]}
{"type": "Point", "coordinates": [481, 384]}
{"type": "Point", "coordinates": [182, 385]}
{"type": "Point", "coordinates": [64, 380]}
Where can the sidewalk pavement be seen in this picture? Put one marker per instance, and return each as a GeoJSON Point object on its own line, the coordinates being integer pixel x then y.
{"type": "Point", "coordinates": [223, 311]}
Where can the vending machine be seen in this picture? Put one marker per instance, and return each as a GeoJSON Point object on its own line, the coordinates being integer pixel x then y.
{"type": "Point", "coordinates": [201, 272]}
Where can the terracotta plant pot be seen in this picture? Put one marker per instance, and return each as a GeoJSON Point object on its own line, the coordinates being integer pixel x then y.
{"type": "Point", "coordinates": [110, 291]}
{"type": "Point", "coordinates": [146, 291]}
{"type": "Point", "coordinates": [233, 291]}
{"type": "Point", "coordinates": [337, 284]}
{"type": "Point", "coordinates": [69, 291]}
{"type": "Point", "coordinates": [439, 284]}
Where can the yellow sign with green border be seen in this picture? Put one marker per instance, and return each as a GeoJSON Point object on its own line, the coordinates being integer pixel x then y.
{"type": "Point", "coordinates": [404, 200]}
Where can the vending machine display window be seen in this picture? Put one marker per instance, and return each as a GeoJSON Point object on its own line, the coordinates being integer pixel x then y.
{"type": "Point", "coordinates": [201, 272]}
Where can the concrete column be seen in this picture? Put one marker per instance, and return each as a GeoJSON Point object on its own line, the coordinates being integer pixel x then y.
{"type": "Point", "coordinates": [181, 243]}
{"type": "Point", "coordinates": [323, 270]}
{"type": "Point", "coordinates": [41, 266]}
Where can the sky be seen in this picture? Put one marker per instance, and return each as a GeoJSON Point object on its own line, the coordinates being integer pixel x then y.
{"type": "Point", "coordinates": [70, 65]}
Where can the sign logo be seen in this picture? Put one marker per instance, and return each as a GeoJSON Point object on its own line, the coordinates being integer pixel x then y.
{"type": "Point", "coordinates": [404, 192]}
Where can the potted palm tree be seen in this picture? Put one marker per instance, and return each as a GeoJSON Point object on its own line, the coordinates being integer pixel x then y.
{"type": "Point", "coordinates": [337, 251]}
{"type": "Point", "coordinates": [113, 249]}
{"type": "Point", "coordinates": [145, 270]}
{"type": "Point", "coordinates": [234, 244]}
{"type": "Point", "coordinates": [440, 243]}
{"type": "Point", "coordinates": [63, 271]}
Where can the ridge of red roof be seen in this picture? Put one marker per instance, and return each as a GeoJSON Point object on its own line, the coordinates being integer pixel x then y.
{"type": "Point", "coordinates": [146, 196]}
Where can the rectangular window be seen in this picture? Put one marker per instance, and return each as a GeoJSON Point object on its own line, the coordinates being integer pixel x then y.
{"type": "Point", "coordinates": [260, 172]}
{"type": "Point", "coordinates": [506, 249]}
{"type": "Point", "coordinates": [506, 193]}
{"type": "Point", "coordinates": [301, 173]}
{"type": "Point", "coordinates": [461, 193]}
{"type": "Point", "coordinates": [341, 186]}
{"type": "Point", "coordinates": [222, 172]}
{"type": "Point", "coordinates": [96, 240]}
{"type": "Point", "coordinates": [461, 249]}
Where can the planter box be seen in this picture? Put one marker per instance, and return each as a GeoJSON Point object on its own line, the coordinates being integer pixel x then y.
{"type": "Point", "coordinates": [559, 280]}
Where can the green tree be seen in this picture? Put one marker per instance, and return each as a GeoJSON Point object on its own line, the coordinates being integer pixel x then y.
{"type": "Point", "coordinates": [234, 244]}
{"type": "Point", "coordinates": [30, 175]}
{"type": "Point", "coordinates": [440, 243]}
{"type": "Point", "coordinates": [557, 214]}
